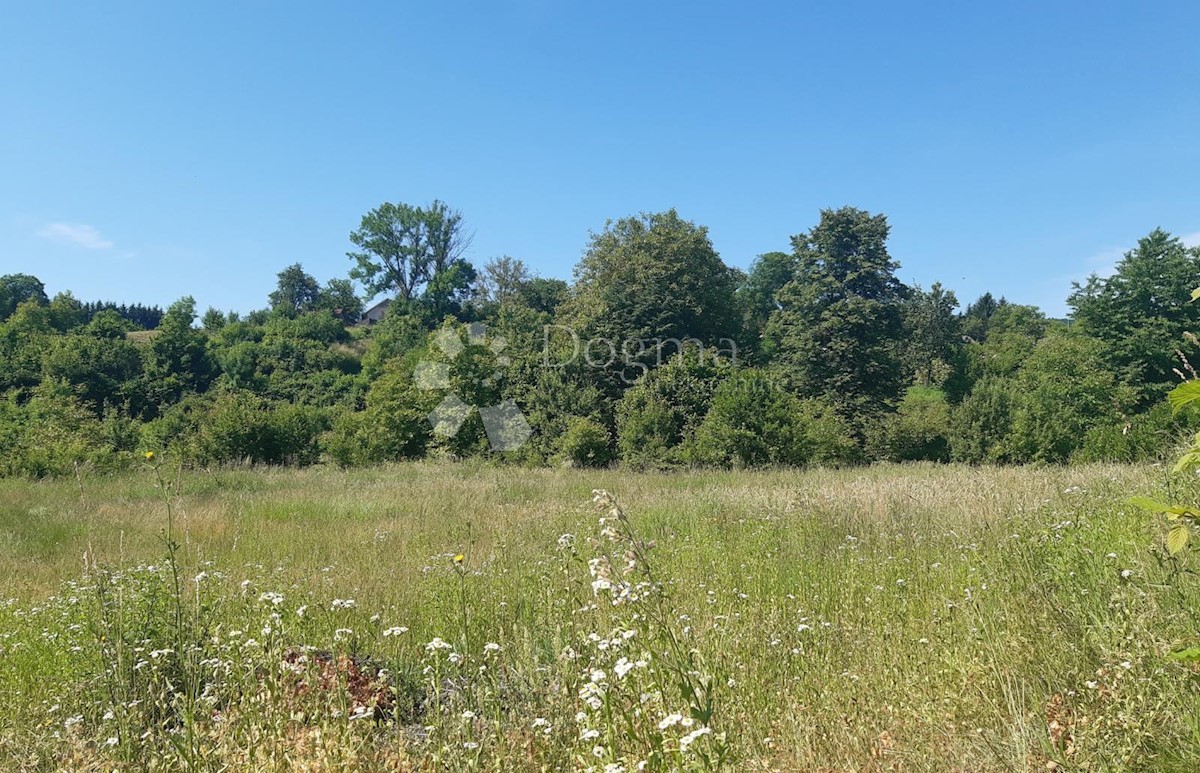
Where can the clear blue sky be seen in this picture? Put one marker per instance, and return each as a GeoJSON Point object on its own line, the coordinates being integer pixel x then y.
{"type": "Point", "coordinates": [151, 150]}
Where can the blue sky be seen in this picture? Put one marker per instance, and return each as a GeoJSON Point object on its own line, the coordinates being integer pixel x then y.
{"type": "Point", "coordinates": [151, 150]}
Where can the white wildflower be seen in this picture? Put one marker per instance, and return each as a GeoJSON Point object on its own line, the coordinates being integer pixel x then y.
{"type": "Point", "coordinates": [670, 720]}
{"type": "Point", "coordinates": [691, 737]}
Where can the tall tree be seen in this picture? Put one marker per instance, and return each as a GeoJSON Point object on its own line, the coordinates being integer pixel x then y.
{"type": "Point", "coordinates": [15, 289]}
{"type": "Point", "coordinates": [932, 334]}
{"type": "Point", "coordinates": [340, 299]}
{"type": "Point", "coordinates": [296, 291]}
{"type": "Point", "coordinates": [1142, 311]}
{"type": "Point", "coordinates": [501, 280]}
{"type": "Point", "coordinates": [838, 329]}
{"type": "Point", "coordinates": [768, 274]}
{"type": "Point", "coordinates": [179, 361]}
{"type": "Point", "coordinates": [652, 277]}
{"type": "Point", "coordinates": [976, 318]}
{"type": "Point", "coordinates": [402, 248]}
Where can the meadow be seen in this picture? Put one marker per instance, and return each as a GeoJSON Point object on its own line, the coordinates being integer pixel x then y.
{"type": "Point", "coordinates": [437, 616]}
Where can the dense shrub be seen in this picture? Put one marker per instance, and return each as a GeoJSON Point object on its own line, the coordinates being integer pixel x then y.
{"type": "Point", "coordinates": [237, 426]}
{"type": "Point", "coordinates": [981, 424]}
{"type": "Point", "coordinates": [586, 443]}
{"type": "Point", "coordinates": [1062, 391]}
{"type": "Point", "coordinates": [754, 421]}
{"type": "Point", "coordinates": [241, 426]}
{"type": "Point", "coordinates": [1142, 437]}
{"type": "Point", "coordinates": [918, 431]}
{"type": "Point", "coordinates": [394, 425]}
{"type": "Point", "coordinates": [53, 433]}
{"type": "Point", "coordinates": [664, 408]}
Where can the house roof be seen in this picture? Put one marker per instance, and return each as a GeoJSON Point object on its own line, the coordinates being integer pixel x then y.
{"type": "Point", "coordinates": [379, 306]}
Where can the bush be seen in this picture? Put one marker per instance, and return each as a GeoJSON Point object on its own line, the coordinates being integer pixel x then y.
{"type": "Point", "coordinates": [663, 409]}
{"type": "Point", "coordinates": [1149, 436]}
{"type": "Point", "coordinates": [918, 431]}
{"type": "Point", "coordinates": [585, 444]}
{"type": "Point", "coordinates": [237, 426]}
{"type": "Point", "coordinates": [241, 426]}
{"type": "Point", "coordinates": [754, 422]}
{"type": "Point", "coordinates": [1063, 391]}
{"type": "Point", "coordinates": [394, 426]}
{"type": "Point", "coordinates": [981, 425]}
{"type": "Point", "coordinates": [52, 433]}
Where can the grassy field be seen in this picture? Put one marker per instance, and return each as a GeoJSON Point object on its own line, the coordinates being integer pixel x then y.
{"type": "Point", "coordinates": [884, 618]}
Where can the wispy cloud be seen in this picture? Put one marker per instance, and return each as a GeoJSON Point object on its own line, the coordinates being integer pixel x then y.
{"type": "Point", "coordinates": [75, 234]}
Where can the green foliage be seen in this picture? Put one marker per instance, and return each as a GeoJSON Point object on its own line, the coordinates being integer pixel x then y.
{"type": "Point", "coordinates": [1142, 311]}
{"type": "Point", "coordinates": [586, 443]}
{"type": "Point", "coordinates": [16, 289]}
{"type": "Point", "coordinates": [830, 321]}
{"type": "Point", "coordinates": [179, 361]}
{"type": "Point", "coordinates": [403, 249]}
{"type": "Point", "coordinates": [543, 295]}
{"type": "Point", "coordinates": [296, 291]}
{"type": "Point", "coordinates": [237, 426]}
{"type": "Point", "coordinates": [52, 433]}
{"type": "Point", "coordinates": [66, 313]}
{"type": "Point", "coordinates": [102, 370]}
{"type": "Point", "coordinates": [1062, 390]}
{"type": "Point", "coordinates": [109, 325]}
{"type": "Point", "coordinates": [838, 329]}
{"type": "Point", "coordinates": [933, 334]}
{"type": "Point", "coordinates": [394, 425]}
{"type": "Point", "coordinates": [399, 333]}
{"type": "Point", "coordinates": [651, 278]}
{"type": "Point", "coordinates": [981, 424]}
{"type": "Point", "coordinates": [919, 430]}
{"type": "Point", "coordinates": [501, 281]}
{"type": "Point", "coordinates": [757, 293]}
{"type": "Point", "coordinates": [1147, 436]}
{"type": "Point", "coordinates": [662, 410]}
{"type": "Point", "coordinates": [754, 421]}
{"type": "Point", "coordinates": [243, 427]}
{"type": "Point", "coordinates": [339, 298]}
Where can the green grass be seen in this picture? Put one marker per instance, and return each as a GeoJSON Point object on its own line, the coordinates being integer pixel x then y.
{"type": "Point", "coordinates": [892, 617]}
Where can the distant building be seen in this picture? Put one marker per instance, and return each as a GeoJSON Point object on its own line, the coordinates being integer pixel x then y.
{"type": "Point", "coordinates": [376, 313]}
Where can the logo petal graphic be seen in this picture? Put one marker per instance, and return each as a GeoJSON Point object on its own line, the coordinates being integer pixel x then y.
{"type": "Point", "coordinates": [449, 342]}
{"type": "Point", "coordinates": [505, 425]}
{"type": "Point", "coordinates": [447, 419]}
{"type": "Point", "coordinates": [432, 375]}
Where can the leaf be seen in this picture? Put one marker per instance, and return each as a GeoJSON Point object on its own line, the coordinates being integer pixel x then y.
{"type": "Point", "coordinates": [1146, 503]}
{"type": "Point", "coordinates": [1195, 294]}
{"type": "Point", "coordinates": [1183, 395]}
{"type": "Point", "coordinates": [1187, 461]}
{"type": "Point", "coordinates": [1186, 655]}
{"type": "Point", "coordinates": [1154, 506]}
{"type": "Point", "coordinates": [1177, 538]}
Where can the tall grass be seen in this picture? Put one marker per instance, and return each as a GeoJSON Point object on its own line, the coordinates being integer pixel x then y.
{"type": "Point", "coordinates": [462, 617]}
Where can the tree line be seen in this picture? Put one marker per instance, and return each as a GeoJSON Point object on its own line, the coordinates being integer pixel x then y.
{"type": "Point", "coordinates": [815, 355]}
